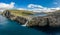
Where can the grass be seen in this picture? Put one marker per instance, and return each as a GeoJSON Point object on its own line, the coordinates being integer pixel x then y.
{"type": "Point", "coordinates": [22, 13]}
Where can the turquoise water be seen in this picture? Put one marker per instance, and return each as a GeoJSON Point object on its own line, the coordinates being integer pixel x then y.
{"type": "Point", "coordinates": [8, 27]}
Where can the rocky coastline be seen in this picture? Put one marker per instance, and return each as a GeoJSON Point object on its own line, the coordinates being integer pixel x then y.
{"type": "Point", "coordinates": [49, 20]}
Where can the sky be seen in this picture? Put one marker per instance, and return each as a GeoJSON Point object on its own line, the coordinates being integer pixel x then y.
{"type": "Point", "coordinates": [36, 5]}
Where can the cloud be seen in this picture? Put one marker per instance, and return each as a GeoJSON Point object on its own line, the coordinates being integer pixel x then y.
{"type": "Point", "coordinates": [21, 9]}
{"type": "Point", "coordinates": [4, 6]}
{"type": "Point", "coordinates": [39, 8]}
{"type": "Point", "coordinates": [7, 6]}
{"type": "Point", "coordinates": [34, 6]}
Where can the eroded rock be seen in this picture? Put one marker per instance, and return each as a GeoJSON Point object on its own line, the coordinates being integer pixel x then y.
{"type": "Point", "coordinates": [21, 20]}
{"type": "Point", "coordinates": [52, 20]}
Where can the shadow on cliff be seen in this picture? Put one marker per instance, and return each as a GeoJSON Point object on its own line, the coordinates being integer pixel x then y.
{"type": "Point", "coordinates": [47, 29]}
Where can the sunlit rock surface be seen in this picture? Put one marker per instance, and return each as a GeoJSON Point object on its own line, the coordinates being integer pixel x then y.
{"type": "Point", "coordinates": [52, 19]}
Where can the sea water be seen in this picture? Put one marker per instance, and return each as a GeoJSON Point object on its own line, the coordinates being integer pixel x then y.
{"type": "Point", "coordinates": [9, 27]}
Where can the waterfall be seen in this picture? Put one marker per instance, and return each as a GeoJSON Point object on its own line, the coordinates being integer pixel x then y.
{"type": "Point", "coordinates": [27, 21]}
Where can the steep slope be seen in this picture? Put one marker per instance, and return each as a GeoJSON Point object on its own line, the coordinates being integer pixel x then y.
{"type": "Point", "coordinates": [26, 18]}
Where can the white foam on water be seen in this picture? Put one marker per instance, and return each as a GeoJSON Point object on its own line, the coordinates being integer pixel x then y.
{"type": "Point", "coordinates": [25, 23]}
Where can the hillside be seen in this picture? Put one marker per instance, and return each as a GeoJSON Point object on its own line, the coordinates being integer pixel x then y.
{"type": "Point", "coordinates": [21, 13]}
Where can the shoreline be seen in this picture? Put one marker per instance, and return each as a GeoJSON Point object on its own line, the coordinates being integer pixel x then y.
{"type": "Point", "coordinates": [42, 21]}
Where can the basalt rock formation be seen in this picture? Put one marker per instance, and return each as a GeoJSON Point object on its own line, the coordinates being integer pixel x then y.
{"type": "Point", "coordinates": [52, 20]}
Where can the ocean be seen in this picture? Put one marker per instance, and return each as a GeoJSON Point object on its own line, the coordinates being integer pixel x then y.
{"type": "Point", "coordinates": [9, 27]}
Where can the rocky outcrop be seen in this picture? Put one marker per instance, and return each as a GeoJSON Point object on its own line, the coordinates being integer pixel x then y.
{"type": "Point", "coordinates": [21, 20]}
{"type": "Point", "coordinates": [38, 21]}
{"type": "Point", "coordinates": [7, 14]}
{"type": "Point", "coordinates": [52, 20]}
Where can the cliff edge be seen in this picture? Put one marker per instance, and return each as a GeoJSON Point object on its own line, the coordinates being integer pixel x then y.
{"type": "Point", "coordinates": [26, 18]}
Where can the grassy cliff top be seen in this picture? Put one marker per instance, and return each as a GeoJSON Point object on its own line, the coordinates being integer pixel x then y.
{"type": "Point", "coordinates": [22, 13]}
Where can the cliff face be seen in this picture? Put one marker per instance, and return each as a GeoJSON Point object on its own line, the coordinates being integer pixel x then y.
{"type": "Point", "coordinates": [38, 21]}
{"type": "Point", "coordinates": [8, 14]}
{"type": "Point", "coordinates": [52, 20]}
{"type": "Point", "coordinates": [21, 20]}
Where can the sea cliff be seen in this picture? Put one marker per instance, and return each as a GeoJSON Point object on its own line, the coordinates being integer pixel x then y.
{"type": "Point", "coordinates": [52, 20]}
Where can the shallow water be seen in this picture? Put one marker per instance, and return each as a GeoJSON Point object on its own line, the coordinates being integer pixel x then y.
{"type": "Point", "coordinates": [9, 27]}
